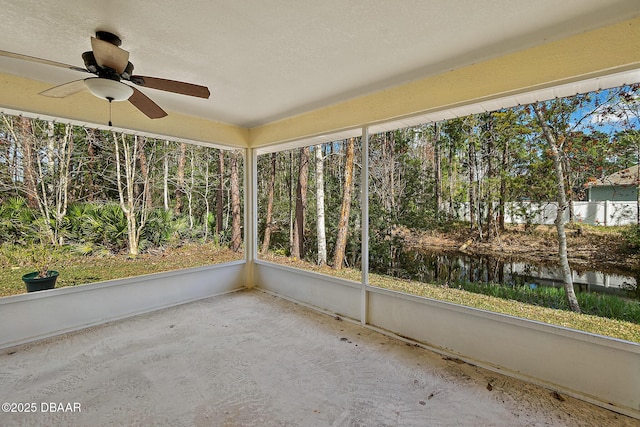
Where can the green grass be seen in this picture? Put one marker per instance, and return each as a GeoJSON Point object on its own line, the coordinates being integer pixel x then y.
{"type": "Point", "coordinates": [78, 270]}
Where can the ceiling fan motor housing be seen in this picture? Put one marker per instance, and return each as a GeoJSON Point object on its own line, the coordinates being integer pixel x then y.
{"type": "Point", "coordinates": [108, 37]}
{"type": "Point", "coordinates": [92, 66]}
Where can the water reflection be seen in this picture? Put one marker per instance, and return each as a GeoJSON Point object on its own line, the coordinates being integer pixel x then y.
{"type": "Point", "coordinates": [452, 267]}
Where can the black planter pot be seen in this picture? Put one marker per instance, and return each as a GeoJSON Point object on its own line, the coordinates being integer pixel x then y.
{"type": "Point", "coordinates": [35, 283]}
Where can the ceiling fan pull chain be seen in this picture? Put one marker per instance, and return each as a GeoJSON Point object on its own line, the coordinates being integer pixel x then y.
{"type": "Point", "coordinates": [110, 101]}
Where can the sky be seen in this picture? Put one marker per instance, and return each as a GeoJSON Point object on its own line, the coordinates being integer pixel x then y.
{"type": "Point", "coordinates": [610, 117]}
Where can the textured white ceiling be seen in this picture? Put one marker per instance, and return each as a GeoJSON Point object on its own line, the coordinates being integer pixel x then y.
{"type": "Point", "coordinates": [264, 60]}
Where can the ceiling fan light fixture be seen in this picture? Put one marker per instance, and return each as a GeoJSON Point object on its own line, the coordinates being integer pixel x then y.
{"type": "Point", "coordinates": [110, 90]}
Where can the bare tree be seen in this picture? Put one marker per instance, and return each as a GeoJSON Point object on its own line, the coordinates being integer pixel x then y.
{"type": "Point", "coordinates": [189, 189]}
{"type": "Point", "coordinates": [320, 226]}
{"type": "Point", "coordinates": [489, 194]}
{"type": "Point", "coordinates": [451, 172]}
{"type": "Point", "coordinates": [471, 152]}
{"type": "Point", "coordinates": [269, 217]}
{"type": "Point", "coordinates": [28, 168]}
{"type": "Point", "coordinates": [165, 180]}
{"type": "Point", "coordinates": [503, 184]}
{"type": "Point", "coordinates": [46, 168]}
{"type": "Point", "coordinates": [205, 194]}
{"type": "Point", "coordinates": [236, 233]}
{"type": "Point", "coordinates": [290, 185]}
{"type": "Point", "coordinates": [297, 248]}
{"type": "Point", "coordinates": [144, 170]}
{"type": "Point", "coordinates": [136, 209]}
{"type": "Point", "coordinates": [182, 160]}
{"type": "Point", "coordinates": [93, 190]}
{"type": "Point", "coordinates": [561, 198]}
{"type": "Point", "coordinates": [343, 224]}
{"type": "Point", "coordinates": [219, 194]}
{"type": "Point", "coordinates": [437, 168]}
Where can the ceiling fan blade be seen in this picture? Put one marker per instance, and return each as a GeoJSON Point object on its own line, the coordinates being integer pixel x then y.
{"type": "Point", "coordinates": [109, 55]}
{"type": "Point", "coordinates": [65, 89]}
{"type": "Point", "coordinates": [143, 103]}
{"type": "Point", "coordinates": [172, 86]}
{"type": "Point", "coordinates": [40, 60]}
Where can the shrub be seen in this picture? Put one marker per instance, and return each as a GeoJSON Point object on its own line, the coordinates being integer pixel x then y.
{"type": "Point", "coordinates": [631, 236]}
{"type": "Point", "coordinates": [16, 220]}
{"type": "Point", "coordinates": [609, 306]}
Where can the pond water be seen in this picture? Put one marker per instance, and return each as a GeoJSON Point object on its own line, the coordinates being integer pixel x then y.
{"type": "Point", "coordinates": [452, 267]}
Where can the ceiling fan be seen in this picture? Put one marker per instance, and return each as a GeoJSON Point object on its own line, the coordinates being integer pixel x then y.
{"type": "Point", "coordinates": [110, 64]}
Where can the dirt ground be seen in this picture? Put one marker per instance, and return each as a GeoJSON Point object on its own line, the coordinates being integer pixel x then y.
{"type": "Point", "coordinates": [587, 248]}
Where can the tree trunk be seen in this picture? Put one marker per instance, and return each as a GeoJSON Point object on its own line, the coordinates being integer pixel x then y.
{"type": "Point", "coordinates": [343, 224]}
{"type": "Point", "coordinates": [219, 194]}
{"type": "Point", "coordinates": [472, 181]}
{"type": "Point", "coordinates": [136, 211]}
{"type": "Point", "coordinates": [165, 180]}
{"type": "Point", "coordinates": [51, 158]}
{"type": "Point", "coordinates": [66, 149]}
{"type": "Point", "coordinates": [638, 192]}
{"type": "Point", "coordinates": [562, 206]}
{"type": "Point", "coordinates": [205, 195]}
{"type": "Point", "coordinates": [145, 190]}
{"type": "Point", "coordinates": [269, 219]}
{"type": "Point", "coordinates": [91, 165]}
{"type": "Point", "coordinates": [192, 185]}
{"type": "Point", "coordinates": [236, 233]}
{"type": "Point", "coordinates": [566, 166]}
{"type": "Point", "coordinates": [182, 160]}
{"type": "Point", "coordinates": [490, 193]}
{"type": "Point", "coordinates": [12, 153]}
{"type": "Point", "coordinates": [297, 249]}
{"type": "Point", "coordinates": [450, 172]}
{"type": "Point", "coordinates": [320, 226]}
{"type": "Point", "coordinates": [437, 168]}
{"type": "Point", "coordinates": [503, 184]}
{"type": "Point", "coordinates": [52, 162]}
{"type": "Point", "coordinates": [28, 162]}
{"type": "Point", "coordinates": [126, 200]}
{"type": "Point", "coordinates": [388, 178]}
{"type": "Point", "coordinates": [291, 203]}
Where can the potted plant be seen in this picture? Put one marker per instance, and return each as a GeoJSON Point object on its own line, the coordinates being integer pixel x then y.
{"type": "Point", "coordinates": [39, 257]}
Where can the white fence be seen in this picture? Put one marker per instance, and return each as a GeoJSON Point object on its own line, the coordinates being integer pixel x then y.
{"type": "Point", "coordinates": [604, 213]}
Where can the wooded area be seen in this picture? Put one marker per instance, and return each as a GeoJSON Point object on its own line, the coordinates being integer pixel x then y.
{"type": "Point", "coordinates": [419, 176]}
{"type": "Point", "coordinates": [102, 191]}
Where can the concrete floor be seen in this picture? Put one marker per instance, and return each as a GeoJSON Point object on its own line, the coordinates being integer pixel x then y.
{"type": "Point", "coordinates": [252, 359]}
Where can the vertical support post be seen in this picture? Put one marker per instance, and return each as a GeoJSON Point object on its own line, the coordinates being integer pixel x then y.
{"type": "Point", "coordinates": [364, 204]}
{"type": "Point", "coordinates": [250, 214]}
